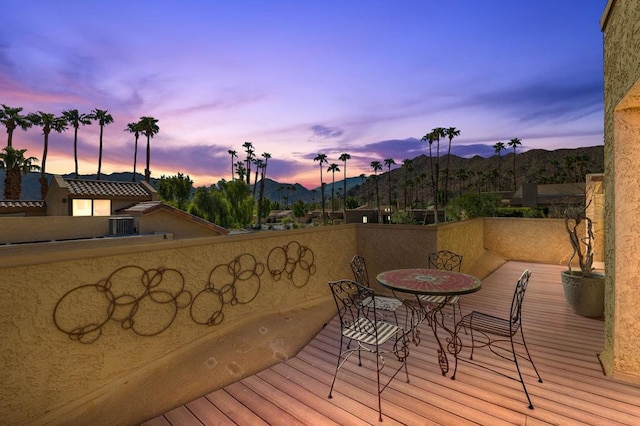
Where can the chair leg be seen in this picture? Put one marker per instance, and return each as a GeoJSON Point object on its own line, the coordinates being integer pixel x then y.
{"type": "Point", "coordinates": [377, 354]}
{"type": "Point", "coordinates": [337, 367]}
{"type": "Point", "coordinates": [460, 312]}
{"type": "Point", "coordinates": [456, 351]}
{"type": "Point", "coordinates": [529, 356]}
{"type": "Point", "coordinates": [515, 359]}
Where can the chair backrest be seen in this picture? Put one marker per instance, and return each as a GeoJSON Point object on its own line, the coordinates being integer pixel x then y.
{"type": "Point", "coordinates": [350, 298]}
{"type": "Point", "coordinates": [446, 260]}
{"type": "Point", "coordinates": [359, 268]}
{"type": "Point", "coordinates": [518, 297]}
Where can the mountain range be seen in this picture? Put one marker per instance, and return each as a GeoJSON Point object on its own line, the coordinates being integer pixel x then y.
{"type": "Point", "coordinates": [536, 165]}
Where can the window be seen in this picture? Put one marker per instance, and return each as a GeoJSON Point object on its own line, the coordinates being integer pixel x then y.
{"type": "Point", "coordinates": [84, 207]}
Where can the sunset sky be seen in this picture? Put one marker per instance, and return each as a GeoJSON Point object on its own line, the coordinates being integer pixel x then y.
{"type": "Point", "coordinates": [302, 77]}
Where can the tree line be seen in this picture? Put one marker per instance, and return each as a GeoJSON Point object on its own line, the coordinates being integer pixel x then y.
{"type": "Point", "coordinates": [16, 163]}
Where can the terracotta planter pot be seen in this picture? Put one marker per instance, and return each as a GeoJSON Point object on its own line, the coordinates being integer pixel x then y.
{"type": "Point", "coordinates": [584, 294]}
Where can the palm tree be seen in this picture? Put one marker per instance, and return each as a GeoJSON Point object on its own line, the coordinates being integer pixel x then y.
{"type": "Point", "coordinates": [266, 157]}
{"type": "Point", "coordinates": [581, 163]}
{"type": "Point", "coordinates": [344, 157]}
{"type": "Point", "coordinates": [434, 136]}
{"type": "Point", "coordinates": [389, 162]}
{"type": "Point", "coordinates": [48, 122]}
{"type": "Point", "coordinates": [376, 166]}
{"type": "Point", "coordinates": [149, 127]}
{"type": "Point", "coordinates": [75, 119]}
{"type": "Point", "coordinates": [233, 155]}
{"type": "Point", "coordinates": [514, 143]}
{"type": "Point", "coordinates": [103, 118]}
{"type": "Point", "coordinates": [364, 193]}
{"type": "Point", "coordinates": [408, 168]}
{"type": "Point", "coordinates": [498, 147]}
{"type": "Point", "coordinates": [321, 159]}
{"type": "Point", "coordinates": [451, 132]}
{"type": "Point", "coordinates": [293, 190]}
{"type": "Point", "coordinates": [279, 190]}
{"type": "Point", "coordinates": [134, 128]}
{"type": "Point", "coordinates": [16, 165]}
{"type": "Point", "coordinates": [12, 119]}
{"type": "Point", "coordinates": [462, 175]}
{"type": "Point", "coordinates": [258, 163]}
{"type": "Point", "coordinates": [333, 168]}
{"type": "Point", "coordinates": [240, 170]}
{"type": "Point", "coordinates": [248, 146]}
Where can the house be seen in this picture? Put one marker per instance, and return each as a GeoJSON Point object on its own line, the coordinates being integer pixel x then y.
{"type": "Point", "coordinates": [78, 197]}
{"type": "Point", "coordinates": [87, 209]}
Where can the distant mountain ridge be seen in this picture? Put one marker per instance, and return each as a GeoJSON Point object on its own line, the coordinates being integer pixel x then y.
{"type": "Point", "coordinates": [530, 167]}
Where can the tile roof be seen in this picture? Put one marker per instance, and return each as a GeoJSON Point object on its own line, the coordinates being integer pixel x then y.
{"type": "Point", "coordinates": [105, 188]}
{"type": "Point", "coordinates": [22, 204]}
{"type": "Point", "coordinates": [140, 207]}
{"type": "Point", "coordinates": [149, 207]}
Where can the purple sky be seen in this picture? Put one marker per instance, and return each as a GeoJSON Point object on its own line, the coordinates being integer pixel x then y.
{"type": "Point", "coordinates": [302, 77]}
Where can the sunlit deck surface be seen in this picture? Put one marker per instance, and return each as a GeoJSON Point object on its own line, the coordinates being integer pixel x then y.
{"type": "Point", "coordinates": [563, 345]}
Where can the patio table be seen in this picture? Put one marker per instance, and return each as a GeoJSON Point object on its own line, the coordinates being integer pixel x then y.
{"type": "Point", "coordinates": [420, 281]}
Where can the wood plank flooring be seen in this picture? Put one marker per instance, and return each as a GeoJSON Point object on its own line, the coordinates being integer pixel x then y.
{"type": "Point", "coordinates": [564, 347]}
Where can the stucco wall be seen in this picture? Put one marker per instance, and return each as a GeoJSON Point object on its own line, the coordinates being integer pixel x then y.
{"type": "Point", "coordinates": [528, 240]}
{"type": "Point", "coordinates": [621, 28]}
{"type": "Point", "coordinates": [121, 377]}
{"type": "Point", "coordinates": [164, 221]}
{"type": "Point", "coordinates": [46, 228]}
{"type": "Point", "coordinates": [47, 376]}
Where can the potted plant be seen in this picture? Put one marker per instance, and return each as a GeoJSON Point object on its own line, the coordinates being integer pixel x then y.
{"type": "Point", "coordinates": [583, 288]}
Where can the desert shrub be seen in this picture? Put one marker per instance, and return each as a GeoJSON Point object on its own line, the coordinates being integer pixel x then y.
{"type": "Point", "coordinates": [528, 212]}
{"type": "Point", "coordinates": [471, 204]}
{"type": "Point", "coordinates": [402, 217]}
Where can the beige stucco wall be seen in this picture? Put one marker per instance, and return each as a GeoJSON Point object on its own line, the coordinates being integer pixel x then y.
{"type": "Point", "coordinates": [49, 377]}
{"type": "Point", "coordinates": [164, 221]}
{"type": "Point", "coordinates": [46, 228]}
{"type": "Point", "coordinates": [621, 29]}
{"type": "Point", "coordinates": [529, 240]}
{"type": "Point", "coordinates": [125, 378]}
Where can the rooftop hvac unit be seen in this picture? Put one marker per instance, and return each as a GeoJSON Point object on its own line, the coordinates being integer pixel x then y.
{"type": "Point", "coordinates": [121, 226]}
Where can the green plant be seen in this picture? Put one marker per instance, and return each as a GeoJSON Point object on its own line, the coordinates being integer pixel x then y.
{"type": "Point", "coordinates": [519, 212]}
{"type": "Point", "coordinates": [402, 217]}
{"type": "Point", "coordinates": [470, 205]}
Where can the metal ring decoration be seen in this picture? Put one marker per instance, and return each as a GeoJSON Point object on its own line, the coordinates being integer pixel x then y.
{"type": "Point", "coordinates": [147, 309]}
{"type": "Point", "coordinates": [293, 260]}
{"type": "Point", "coordinates": [151, 307]}
{"type": "Point", "coordinates": [237, 282]}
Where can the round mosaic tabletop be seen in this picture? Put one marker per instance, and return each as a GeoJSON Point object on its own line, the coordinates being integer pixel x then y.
{"type": "Point", "coordinates": [429, 281]}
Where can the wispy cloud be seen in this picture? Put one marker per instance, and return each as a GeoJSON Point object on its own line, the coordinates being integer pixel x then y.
{"type": "Point", "coordinates": [325, 132]}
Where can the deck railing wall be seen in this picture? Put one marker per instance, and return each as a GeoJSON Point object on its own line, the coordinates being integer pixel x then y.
{"type": "Point", "coordinates": [88, 330]}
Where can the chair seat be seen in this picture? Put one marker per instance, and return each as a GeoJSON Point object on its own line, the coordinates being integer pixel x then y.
{"type": "Point", "coordinates": [438, 299]}
{"type": "Point", "coordinates": [364, 331]}
{"type": "Point", "coordinates": [486, 323]}
{"type": "Point", "coordinates": [383, 303]}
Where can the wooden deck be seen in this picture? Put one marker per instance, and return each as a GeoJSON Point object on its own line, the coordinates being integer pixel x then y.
{"type": "Point", "coordinates": [563, 345]}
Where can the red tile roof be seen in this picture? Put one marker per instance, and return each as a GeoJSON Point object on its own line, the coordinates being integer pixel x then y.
{"type": "Point", "coordinates": [99, 188]}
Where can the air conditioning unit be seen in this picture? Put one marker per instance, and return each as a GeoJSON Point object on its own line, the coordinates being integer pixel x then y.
{"type": "Point", "coordinates": [121, 225]}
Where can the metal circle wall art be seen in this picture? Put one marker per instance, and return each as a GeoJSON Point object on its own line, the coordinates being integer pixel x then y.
{"type": "Point", "coordinates": [145, 301]}
{"type": "Point", "coordinates": [237, 282]}
{"type": "Point", "coordinates": [294, 261]}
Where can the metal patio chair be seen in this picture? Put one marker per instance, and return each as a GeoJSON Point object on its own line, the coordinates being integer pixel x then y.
{"type": "Point", "coordinates": [360, 324]}
{"type": "Point", "coordinates": [494, 330]}
{"type": "Point", "coordinates": [361, 275]}
{"type": "Point", "coordinates": [448, 261]}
